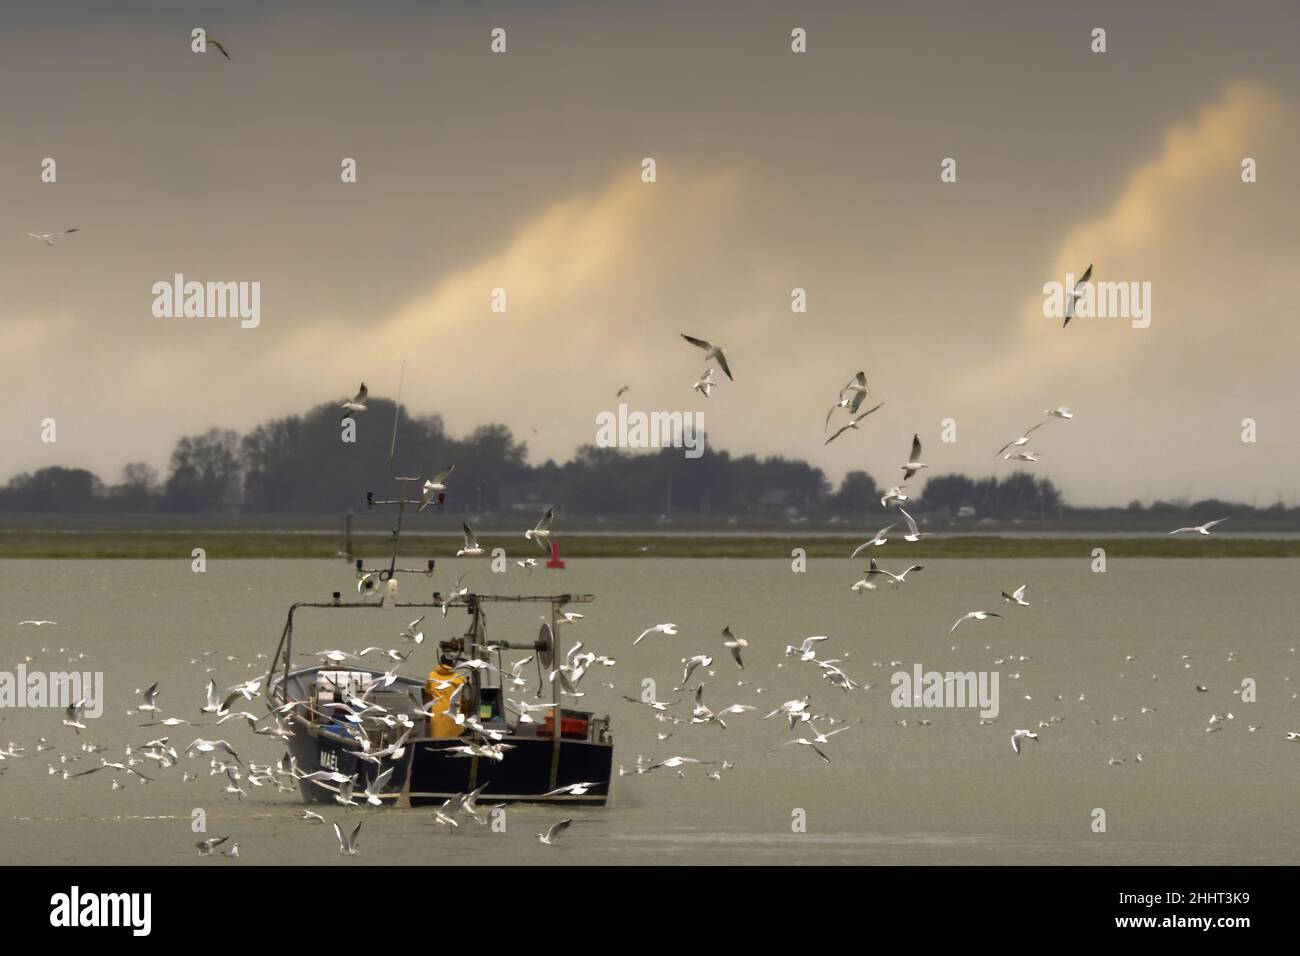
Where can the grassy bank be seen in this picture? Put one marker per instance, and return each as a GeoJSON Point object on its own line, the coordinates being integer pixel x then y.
{"type": "Point", "coordinates": [415, 547]}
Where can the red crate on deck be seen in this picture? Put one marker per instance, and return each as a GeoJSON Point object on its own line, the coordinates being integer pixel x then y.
{"type": "Point", "coordinates": [572, 725]}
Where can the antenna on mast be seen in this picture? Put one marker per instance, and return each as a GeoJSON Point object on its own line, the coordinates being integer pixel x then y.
{"type": "Point", "coordinates": [397, 414]}
{"type": "Point", "coordinates": [386, 574]}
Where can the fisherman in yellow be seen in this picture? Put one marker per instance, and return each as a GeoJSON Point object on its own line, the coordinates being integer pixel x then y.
{"type": "Point", "coordinates": [443, 684]}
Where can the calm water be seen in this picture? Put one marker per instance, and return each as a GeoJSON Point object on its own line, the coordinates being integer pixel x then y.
{"type": "Point", "coordinates": [948, 792]}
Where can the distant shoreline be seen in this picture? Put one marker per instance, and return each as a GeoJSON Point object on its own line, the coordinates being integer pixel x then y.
{"type": "Point", "coordinates": [247, 544]}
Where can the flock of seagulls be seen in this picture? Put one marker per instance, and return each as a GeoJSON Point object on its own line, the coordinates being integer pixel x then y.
{"type": "Point", "coordinates": [811, 729]}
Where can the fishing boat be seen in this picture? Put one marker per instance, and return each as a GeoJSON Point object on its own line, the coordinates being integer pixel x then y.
{"type": "Point", "coordinates": [427, 740]}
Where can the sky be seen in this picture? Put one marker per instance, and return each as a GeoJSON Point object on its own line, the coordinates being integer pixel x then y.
{"type": "Point", "coordinates": [775, 170]}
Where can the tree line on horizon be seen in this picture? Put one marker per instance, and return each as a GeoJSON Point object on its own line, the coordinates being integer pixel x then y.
{"type": "Point", "coordinates": [298, 464]}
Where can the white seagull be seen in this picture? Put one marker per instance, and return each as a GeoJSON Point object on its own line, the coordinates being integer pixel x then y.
{"type": "Point", "coordinates": [853, 423]}
{"type": "Point", "coordinates": [894, 494]}
{"type": "Point", "coordinates": [974, 616]}
{"type": "Point", "coordinates": [806, 743]}
{"type": "Point", "coordinates": [868, 583]}
{"type": "Point", "coordinates": [1200, 528]}
{"type": "Point", "coordinates": [879, 539]}
{"type": "Point", "coordinates": [75, 714]}
{"type": "Point", "coordinates": [542, 533]}
{"type": "Point", "coordinates": [734, 644]}
{"type": "Point", "coordinates": [913, 533]}
{"type": "Point", "coordinates": [914, 463]}
{"type": "Point", "coordinates": [851, 397]}
{"type": "Point", "coordinates": [471, 542]}
{"type": "Point", "coordinates": [1015, 738]}
{"type": "Point", "coordinates": [711, 351]}
{"type": "Point", "coordinates": [553, 832]}
{"type": "Point", "coordinates": [347, 844]}
{"type": "Point", "coordinates": [1017, 596]}
{"type": "Point", "coordinates": [356, 405]}
{"type": "Point", "coordinates": [897, 579]}
{"type": "Point", "coordinates": [706, 383]}
{"type": "Point", "coordinates": [1060, 411]}
{"type": "Point", "coordinates": [1022, 440]}
{"type": "Point", "coordinates": [434, 485]}
{"type": "Point", "coordinates": [1074, 295]}
{"type": "Point", "coordinates": [50, 238]}
{"type": "Point", "coordinates": [669, 629]}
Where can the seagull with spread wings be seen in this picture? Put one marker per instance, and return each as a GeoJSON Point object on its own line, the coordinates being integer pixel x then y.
{"type": "Point", "coordinates": [853, 423]}
{"type": "Point", "coordinates": [356, 405]}
{"type": "Point", "coordinates": [553, 832]}
{"type": "Point", "coordinates": [542, 533]}
{"type": "Point", "coordinates": [851, 396]}
{"type": "Point", "coordinates": [711, 351]}
{"type": "Point", "coordinates": [435, 486]}
{"type": "Point", "coordinates": [472, 546]}
{"type": "Point", "coordinates": [1022, 440]}
{"type": "Point", "coordinates": [1074, 295]}
{"type": "Point", "coordinates": [1200, 528]}
{"type": "Point", "coordinates": [914, 463]}
{"type": "Point", "coordinates": [50, 238]}
{"type": "Point", "coordinates": [879, 539]}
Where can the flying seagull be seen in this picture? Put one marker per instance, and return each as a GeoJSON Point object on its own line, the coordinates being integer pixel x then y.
{"type": "Point", "coordinates": [706, 383]}
{"type": "Point", "coordinates": [1022, 456]}
{"type": "Point", "coordinates": [1200, 528]}
{"type": "Point", "coordinates": [1059, 412]}
{"type": "Point", "coordinates": [1022, 440]}
{"type": "Point", "coordinates": [853, 423]}
{"type": "Point", "coordinates": [207, 846]}
{"type": "Point", "coordinates": [914, 463]}
{"type": "Point", "coordinates": [851, 396]}
{"type": "Point", "coordinates": [913, 533]}
{"type": "Point", "coordinates": [669, 629]}
{"type": "Point", "coordinates": [619, 393]}
{"type": "Point", "coordinates": [1015, 739]}
{"type": "Point", "coordinates": [711, 351]}
{"type": "Point", "coordinates": [974, 616]}
{"type": "Point", "coordinates": [868, 583]}
{"type": "Point", "coordinates": [879, 539]}
{"type": "Point", "coordinates": [570, 789]}
{"type": "Point", "coordinates": [1074, 295]}
{"type": "Point", "coordinates": [895, 495]}
{"type": "Point", "coordinates": [356, 405]}
{"type": "Point", "coordinates": [49, 238]}
{"type": "Point", "coordinates": [217, 44]}
{"type": "Point", "coordinates": [542, 533]}
{"type": "Point", "coordinates": [734, 644]}
{"type": "Point", "coordinates": [347, 844]}
{"type": "Point", "coordinates": [471, 543]}
{"type": "Point", "coordinates": [897, 579]}
{"type": "Point", "coordinates": [75, 714]}
{"type": "Point", "coordinates": [553, 832]}
{"type": "Point", "coordinates": [150, 698]}
{"type": "Point", "coordinates": [1017, 596]}
{"type": "Point", "coordinates": [37, 623]}
{"type": "Point", "coordinates": [803, 741]}
{"type": "Point", "coordinates": [434, 485]}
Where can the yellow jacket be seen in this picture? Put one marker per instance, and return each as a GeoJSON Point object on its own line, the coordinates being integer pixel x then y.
{"type": "Point", "coordinates": [443, 683]}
